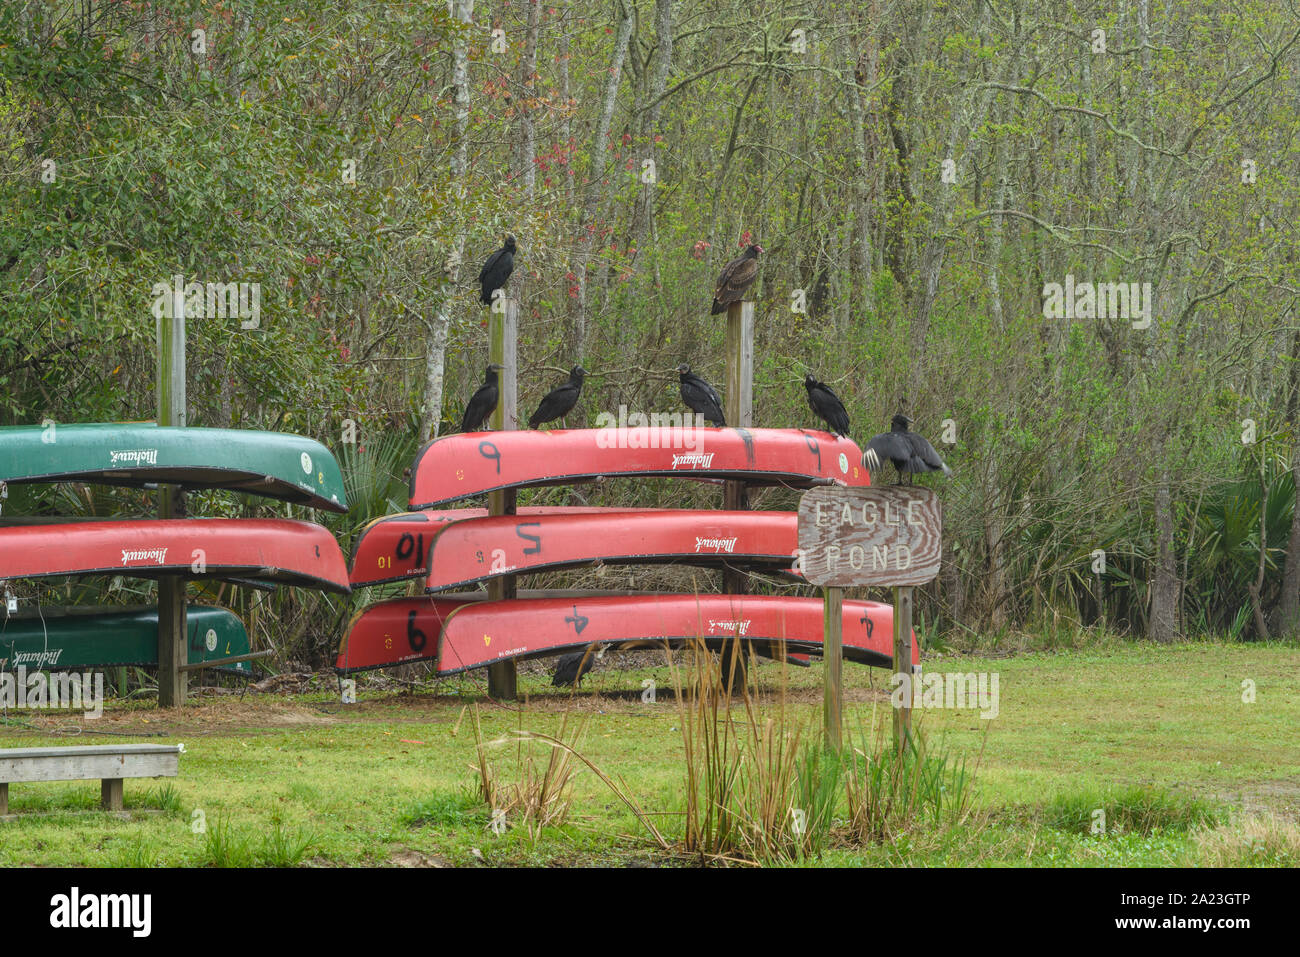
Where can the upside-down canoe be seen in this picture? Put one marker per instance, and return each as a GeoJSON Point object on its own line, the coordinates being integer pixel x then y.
{"type": "Point", "coordinates": [396, 547]}
{"type": "Point", "coordinates": [474, 634]}
{"type": "Point", "coordinates": [393, 633]}
{"type": "Point", "coordinates": [456, 467]}
{"type": "Point", "coordinates": [276, 550]}
{"type": "Point", "coordinates": [278, 465]}
{"type": "Point", "coordinates": [477, 549]}
{"type": "Point", "coordinates": [69, 638]}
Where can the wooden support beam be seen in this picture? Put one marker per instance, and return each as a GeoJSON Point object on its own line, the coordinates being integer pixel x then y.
{"type": "Point", "coordinates": [110, 794]}
{"type": "Point", "coordinates": [234, 659]}
{"type": "Point", "coordinates": [738, 402]}
{"type": "Point", "coordinates": [833, 663]}
{"type": "Point", "coordinates": [503, 336]}
{"type": "Point", "coordinates": [172, 622]}
{"type": "Point", "coordinates": [903, 662]}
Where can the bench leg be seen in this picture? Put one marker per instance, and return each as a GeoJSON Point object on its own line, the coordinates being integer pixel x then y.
{"type": "Point", "coordinates": [4, 798]}
{"type": "Point", "coordinates": [110, 791]}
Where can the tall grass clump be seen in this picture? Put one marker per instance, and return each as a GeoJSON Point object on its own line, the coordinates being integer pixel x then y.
{"type": "Point", "coordinates": [891, 791]}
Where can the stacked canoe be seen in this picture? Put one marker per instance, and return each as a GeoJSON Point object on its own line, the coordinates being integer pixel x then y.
{"type": "Point", "coordinates": [261, 553]}
{"type": "Point", "coordinates": [451, 549]}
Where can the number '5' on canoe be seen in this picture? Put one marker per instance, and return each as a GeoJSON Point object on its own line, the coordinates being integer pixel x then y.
{"type": "Point", "coordinates": [460, 466]}
{"type": "Point", "coordinates": [277, 550]}
{"type": "Point", "coordinates": [277, 465]}
{"type": "Point", "coordinates": [70, 638]}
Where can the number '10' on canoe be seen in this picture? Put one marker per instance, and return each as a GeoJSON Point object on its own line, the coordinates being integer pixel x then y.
{"type": "Point", "coordinates": [462, 635]}
{"type": "Point", "coordinates": [278, 465]}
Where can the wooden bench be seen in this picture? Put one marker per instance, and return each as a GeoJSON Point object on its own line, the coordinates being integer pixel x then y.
{"type": "Point", "coordinates": [112, 764]}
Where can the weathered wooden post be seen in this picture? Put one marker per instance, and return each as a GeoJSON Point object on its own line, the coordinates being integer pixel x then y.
{"type": "Point", "coordinates": [503, 334]}
{"type": "Point", "coordinates": [833, 661]}
{"type": "Point", "coordinates": [739, 411]}
{"type": "Point", "coordinates": [172, 622]}
{"type": "Point", "coordinates": [869, 536]}
{"type": "Point", "coordinates": [903, 663]}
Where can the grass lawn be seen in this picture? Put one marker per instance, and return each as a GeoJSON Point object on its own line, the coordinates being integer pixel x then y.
{"type": "Point", "coordinates": [1158, 737]}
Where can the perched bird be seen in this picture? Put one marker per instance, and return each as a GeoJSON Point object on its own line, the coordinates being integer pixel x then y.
{"type": "Point", "coordinates": [737, 276]}
{"type": "Point", "coordinates": [570, 668]}
{"type": "Point", "coordinates": [701, 397]}
{"type": "Point", "coordinates": [908, 451]}
{"type": "Point", "coordinates": [559, 402]}
{"type": "Point", "coordinates": [497, 270]}
{"type": "Point", "coordinates": [827, 405]}
{"type": "Point", "coordinates": [483, 402]}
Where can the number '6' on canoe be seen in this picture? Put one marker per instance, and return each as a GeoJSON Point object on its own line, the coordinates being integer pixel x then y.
{"type": "Point", "coordinates": [277, 465]}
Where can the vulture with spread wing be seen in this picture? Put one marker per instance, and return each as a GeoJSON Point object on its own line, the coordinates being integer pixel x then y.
{"type": "Point", "coordinates": [908, 451]}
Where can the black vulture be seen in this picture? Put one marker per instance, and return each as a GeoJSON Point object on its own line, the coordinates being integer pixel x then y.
{"type": "Point", "coordinates": [483, 402]}
{"type": "Point", "coordinates": [570, 668]}
{"type": "Point", "coordinates": [701, 397]}
{"type": "Point", "coordinates": [497, 270]}
{"type": "Point", "coordinates": [559, 402]}
{"type": "Point", "coordinates": [908, 451]}
{"type": "Point", "coordinates": [827, 405]}
{"type": "Point", "coordinates": [737, 276]}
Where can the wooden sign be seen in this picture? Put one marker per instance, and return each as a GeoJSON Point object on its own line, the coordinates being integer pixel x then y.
{"type": "Point", "coordinates": [887, 535]}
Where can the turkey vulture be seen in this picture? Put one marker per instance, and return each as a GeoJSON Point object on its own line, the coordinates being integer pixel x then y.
{"type": "Point", "coordinates": [497, 270]}
{"type": "Point", "coordinates": [827, 405]}
{"type": "Point", "coordinates": [559, 402]}
{"type": "Point", "coordinates": [483, 402]}
{"type": "Point", "coordinates": [570, 668]}
{"type": "Point", "coordinates": [908, 451]}
{"type": "Point", "coordinates": [701, 397]}
{"type": "Point", "coordinates": [737, 276]}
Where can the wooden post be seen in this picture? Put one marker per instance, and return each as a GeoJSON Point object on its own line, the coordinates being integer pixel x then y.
{"type": "Point", "coordinates": [503, 334]}
{"type": "Point", "coordinates": [903, 662]}
{"type": "Point", "coordinates": [110, 794]}
{"type": "Point", "coordinates": [833, 660]}
{"type": "Point", "coordinates": [172, 622]}
{"type": "Point", "coordinates": [739, 411]}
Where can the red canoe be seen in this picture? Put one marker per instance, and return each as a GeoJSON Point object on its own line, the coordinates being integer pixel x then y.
{"type": "Point", "coordinates": [477, 633]}
{"type": "Point", "coordinates": [481, 633]}
{"type": "Point", "coordinates": [267, 550]}
{"type": "Point", "coordinates": [471, 551]}
{"type": "Point", "coordinates": [396, 547]}
{"type": "Point", "coordinates": [460, 466]}
{"type": "Point", "coordinates": [393, 633]}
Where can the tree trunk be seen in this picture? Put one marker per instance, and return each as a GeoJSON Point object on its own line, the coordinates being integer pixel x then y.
{"type": "Point", "coordinates": [439, 323]}
{"type": "Point", "coordinates": [1163, 624]}
{"type": "Point", "coordinates": [596, 189]}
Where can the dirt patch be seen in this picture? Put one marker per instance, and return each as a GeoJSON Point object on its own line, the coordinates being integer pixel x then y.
{"type": "Point", "coordinates": [407, 857]}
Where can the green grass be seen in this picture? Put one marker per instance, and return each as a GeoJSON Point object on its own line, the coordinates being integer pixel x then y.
{"type": "Point", "coordinates": [1158, 737]}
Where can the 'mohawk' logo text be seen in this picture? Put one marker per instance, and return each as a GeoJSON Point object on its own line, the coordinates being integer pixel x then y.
{"type": "Point", "coordinates": [147, 456]}
{"type": "Point", "coordinates": [731, 627]}
{"type": "Point", "coordinates": [717, 544]}
{"type": "Point", "coordinates": [158, 555]}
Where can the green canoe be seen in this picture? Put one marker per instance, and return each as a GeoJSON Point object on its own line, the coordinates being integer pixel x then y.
{"type": "Point", "coordinates": [274, 464]}
{"type": "Point", "coordinates": [69, 639]}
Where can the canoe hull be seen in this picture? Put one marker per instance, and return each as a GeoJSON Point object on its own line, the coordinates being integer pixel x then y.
{"type": "Point", "coordinates": [277, 465]}
{"type": "Point", "coordinates": [478, 549]}
{"type": "Point", "coordinates": [274, 550]}
{"type": "Point", "coordinates": [74, 639]}
{"type": "Point", "coordinates": [461, 635]}
{"type": "Point", "coordinates": [457, 467]}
